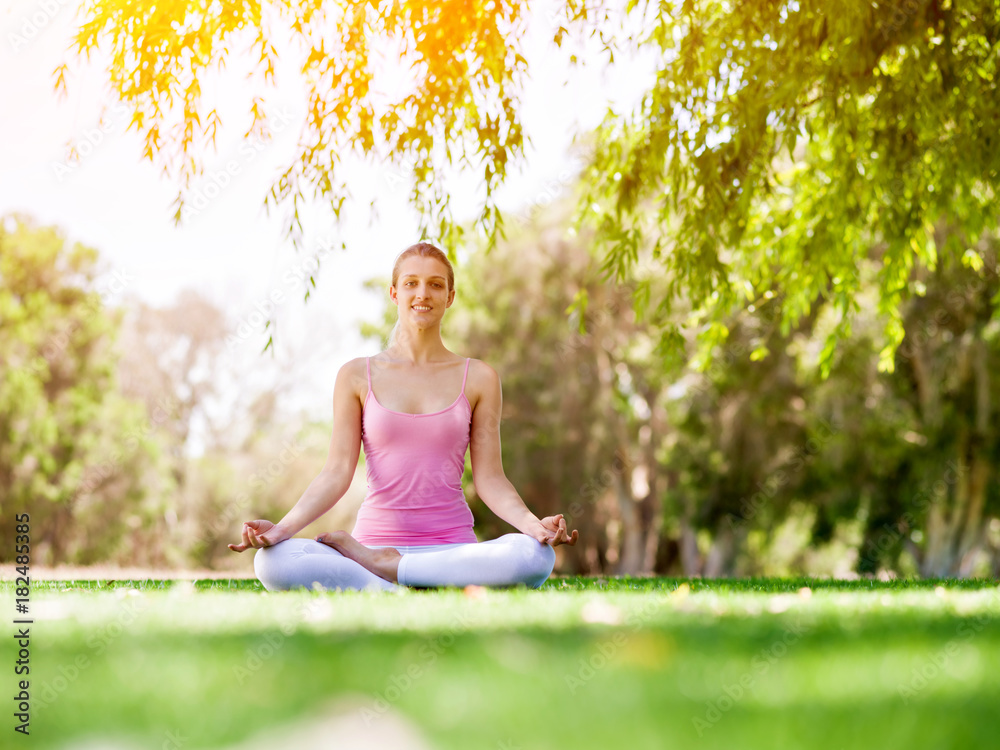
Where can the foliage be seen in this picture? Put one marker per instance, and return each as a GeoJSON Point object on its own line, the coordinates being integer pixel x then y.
{"type": "Point", "coordinates": [921, 446]}
{"type": "Point", "coordinates": [232, 453]}
{"type": "Point", "coordinates": [458, 105]}
{"type": "Point", "coordinates": [738, 444]}
{"type": "Point", "coordinates": [898, 466]}
{"type": "Point", "coordinates": [778, 144]}
{"type": "Point", "coordinates": [74, 453]}
{"type": "Point", "coordinates": [781, 143]}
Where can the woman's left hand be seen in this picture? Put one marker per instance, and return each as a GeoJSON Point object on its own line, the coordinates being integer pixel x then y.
{"type": "Point", "coordinates": [553, 531]}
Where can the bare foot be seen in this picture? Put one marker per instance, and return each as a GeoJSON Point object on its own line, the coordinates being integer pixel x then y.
{"type": "Point", "coordinates": [382, 562]}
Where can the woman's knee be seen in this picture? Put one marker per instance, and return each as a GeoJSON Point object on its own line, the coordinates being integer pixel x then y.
{"type": "Point", "coordinates": [546, 557]}
{"type": "Point", "coordinates": [274, 566]}
{"type": "Point", "coordinates": [538, 559]}
{"type": "Point", "coordinates": [263, 568]}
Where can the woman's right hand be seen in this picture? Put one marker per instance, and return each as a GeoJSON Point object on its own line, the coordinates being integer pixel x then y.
{"type": "Point", "coordinates": [260, 533]}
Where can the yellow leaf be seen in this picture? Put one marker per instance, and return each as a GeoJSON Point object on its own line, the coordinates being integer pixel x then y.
{"type": "Point", "coordinates": [971, 259]}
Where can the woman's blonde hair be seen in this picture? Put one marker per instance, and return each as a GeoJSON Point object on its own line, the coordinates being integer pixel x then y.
{"type": "Point", "coordinates": [426, 250]}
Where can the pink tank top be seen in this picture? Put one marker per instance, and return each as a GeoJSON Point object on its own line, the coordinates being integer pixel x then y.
{"type": "Point", "coordinates": [415, 464]}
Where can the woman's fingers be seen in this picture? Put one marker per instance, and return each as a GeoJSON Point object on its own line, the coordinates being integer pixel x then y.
{"type": "Point", "coordinates": [241, 545]}
{"type": "Point", "coordinates": [252, 535]}
{"type": "Point", "coordinates": [562, 533]}
{"type": "Point", "coordinates": [325, 538]}
{"type": "Point", "coordinates": [255, 539]}
{"type": "Point", "coordinates": [554, 530]}
{"type": "Point", "coordinates": [246, 540]}
{"type": "Point", "coordinates": [563, 538]}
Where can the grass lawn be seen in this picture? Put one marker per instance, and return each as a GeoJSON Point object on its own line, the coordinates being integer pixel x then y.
{"type": "Point", "coordinates": [581, 663]}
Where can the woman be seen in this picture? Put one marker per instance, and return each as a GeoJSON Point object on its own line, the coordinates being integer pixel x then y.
{"type": "Point", "coordinates": [414, 527]}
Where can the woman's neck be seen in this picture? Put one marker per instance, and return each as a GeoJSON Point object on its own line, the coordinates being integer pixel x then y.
{"type": "Point", "coordinates": [419, 347]}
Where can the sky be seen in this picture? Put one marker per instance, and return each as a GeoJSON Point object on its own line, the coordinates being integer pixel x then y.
{"type": "Point", "coordinates": [230, 250]}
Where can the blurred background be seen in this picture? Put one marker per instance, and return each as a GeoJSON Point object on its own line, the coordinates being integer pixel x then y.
{"type": "Point", "coordinates": [169, 347]}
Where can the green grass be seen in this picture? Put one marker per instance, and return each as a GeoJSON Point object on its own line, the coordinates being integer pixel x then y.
{"type": "Point", "coordinates": [582, 663]}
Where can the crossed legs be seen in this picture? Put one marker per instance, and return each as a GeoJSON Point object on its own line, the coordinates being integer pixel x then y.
{"type": "Point", "coordinates": [382, 561]}
{"type": "Point", "coordinates": [296, 563]}
{"type": "Point", "coordinates": [507, 561]}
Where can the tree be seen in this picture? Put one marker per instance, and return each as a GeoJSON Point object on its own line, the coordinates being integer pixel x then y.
{"type": "Point", "coordinates": [74, 452]}
{"type": "Point", "coordinates": [782, 141]}
{"type": "Point", "coordinates": [951, 350]}
{"type": "Point", "coordinates": [230, 449]}
{"type": "Point", "coordinates": [920, 446]}
{"type": "Point", "coordinates": [740, 441]}
{"type": "Point", "coordinates": [172, 360]}
{"type": "Point", "coordinates": [462, 59]}
{"type": "Point", "coordinates": [882, 116]}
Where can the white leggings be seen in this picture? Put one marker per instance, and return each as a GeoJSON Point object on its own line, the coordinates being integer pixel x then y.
{"type": "Point", "coordinates": [507, 561]}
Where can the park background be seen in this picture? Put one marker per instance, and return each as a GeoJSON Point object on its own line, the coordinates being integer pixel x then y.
{"type": "Point", "coordinates": [737, 266]}
{"type": "Point", "coordinates": [813, 393]}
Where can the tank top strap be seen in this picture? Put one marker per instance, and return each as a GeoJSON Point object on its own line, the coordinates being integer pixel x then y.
{"type": "Point", "coordinates": [466, 376]}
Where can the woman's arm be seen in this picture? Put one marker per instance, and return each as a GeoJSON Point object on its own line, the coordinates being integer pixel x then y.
{"type": "Point", "coordinates": [336, 476]}
{"type": "Point", "coordinates": [488, 476]}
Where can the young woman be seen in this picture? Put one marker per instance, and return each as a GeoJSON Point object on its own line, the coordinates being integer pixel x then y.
{"type": "Point", "coordinates": [414, 527]}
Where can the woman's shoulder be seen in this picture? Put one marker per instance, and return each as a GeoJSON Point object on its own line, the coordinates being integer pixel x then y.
{"type": "Point", "coordinates": [483, 381]}
{"type": "Point", "coordinates": [480, 370]}
{"type": "Point", "coordinates": [353, 366]}
{"type": "Point", "coordinates": [354, 372]}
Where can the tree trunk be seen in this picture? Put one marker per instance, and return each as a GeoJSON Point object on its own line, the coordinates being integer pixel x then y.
{"type": "Point", "coordinates": [633, 545]}
{"type": "Point", "coordinates": [721, 557]}
{"type": "Point", "coordinates": [690, 557]}
{"type": "Point", "coordinates": [955, 527]}
{"type": "Point", "coordinates": [651, 507]}
{"type": "Point", "coordinates": [955, 523]}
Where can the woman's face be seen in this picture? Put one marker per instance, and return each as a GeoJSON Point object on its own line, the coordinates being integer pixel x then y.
{"type": "Point", "coordinates": [421, 291]}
